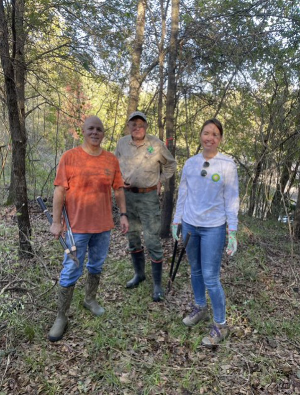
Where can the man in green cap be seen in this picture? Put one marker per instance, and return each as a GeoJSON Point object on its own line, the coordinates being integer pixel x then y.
{"type": "Point", "coordinates": [145, 164]}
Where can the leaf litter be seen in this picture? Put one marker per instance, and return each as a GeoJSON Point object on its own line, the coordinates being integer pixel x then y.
{"type": "Point", "coordinates": [140, 347]}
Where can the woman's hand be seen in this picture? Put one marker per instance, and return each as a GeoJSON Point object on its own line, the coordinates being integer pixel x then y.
{"type": "Point", "coordinates": [175, 233]}
{"type": "Point", "coordinates": [232, 243]}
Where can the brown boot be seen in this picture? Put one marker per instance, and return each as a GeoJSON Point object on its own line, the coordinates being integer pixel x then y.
{"type": "Point", "coordinates": [60, 325]}
{"type": "Point", "coordinates": [217, 334]}
{"type": "Point", "coordinates": [91, 288]}
{"type": "Point", "coordinates": [198, 314]}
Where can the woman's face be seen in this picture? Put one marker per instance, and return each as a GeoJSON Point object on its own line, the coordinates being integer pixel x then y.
{"type": "Point", "coordinates": [210, 139]}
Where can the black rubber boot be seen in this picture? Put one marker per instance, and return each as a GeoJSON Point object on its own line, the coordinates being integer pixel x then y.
{"type": "Point", "coordinates": [158, 294]}
{"type": "Point", "coordinates": [138, 261]}
{"type": "Point", "coordinates": [60, 325]}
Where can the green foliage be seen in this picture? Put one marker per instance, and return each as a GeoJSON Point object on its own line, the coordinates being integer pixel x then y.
{"type": "Point", "coordinates": [236, 61]}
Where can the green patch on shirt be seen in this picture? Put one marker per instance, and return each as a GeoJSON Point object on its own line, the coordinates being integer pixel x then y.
{"type": "Point", "coordinates": [216, 177]}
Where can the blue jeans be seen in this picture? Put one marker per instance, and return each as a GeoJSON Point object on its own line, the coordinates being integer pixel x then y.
{"type": "Point", "coordinates": [97, 246]}
{"type": "Point", "coordinates": [204, 251]}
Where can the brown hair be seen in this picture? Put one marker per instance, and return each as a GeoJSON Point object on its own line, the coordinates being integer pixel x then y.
{"type": "Point", "coordinates": [214, 121]}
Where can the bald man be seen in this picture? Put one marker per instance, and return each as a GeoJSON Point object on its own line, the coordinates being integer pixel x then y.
{"type": "Point", "coordinates": [83, 183]}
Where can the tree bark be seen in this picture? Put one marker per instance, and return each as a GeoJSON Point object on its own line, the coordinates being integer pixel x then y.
{"type": "Point", "coordinates": [258, 170]}
{"type": "Point", "coordinates": [161, 71]}
{"type": "Point", "coordinates": [296, 225]}
{"type": "Point", "coordinates": [135, 77]}
{"type": "Point", "coordinates": [167, 209]}
{"type": "Point", "coordinates": [11, 191]}
{"type": "Point", "coordinates": [13, 75]}
{"type": "Point", "coordinates": [276, 207]}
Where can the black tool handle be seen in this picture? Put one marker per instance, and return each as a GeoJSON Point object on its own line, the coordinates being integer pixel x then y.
{"type": "Point", "coordinates": [44, 209]}
{"type": "Point", "coordinates": [172, 266]}
{"type": "Point", "coordinates": [187, 238]}
{"type": "Point", "coordinates": [181, 254]}
{"type": "Point", "coordinates": [179, 229]}
{"type": "Point", "coordinates": [173, 257]}
{"type": "Point", "coordinates": [175, 249]}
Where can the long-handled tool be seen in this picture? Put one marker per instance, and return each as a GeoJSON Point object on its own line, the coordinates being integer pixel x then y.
{"type": "Point", "coordinates": [69, 231]}
{"type": "Point", "coordinates": [173, 274]}
{"type": "Point", "coordinates": [61, 239]}
{"type": "Point", "coordinates": [173, 258]}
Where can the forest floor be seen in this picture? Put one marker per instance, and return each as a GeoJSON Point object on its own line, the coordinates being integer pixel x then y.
{"type": "Point", "coordinates": [141, 347]}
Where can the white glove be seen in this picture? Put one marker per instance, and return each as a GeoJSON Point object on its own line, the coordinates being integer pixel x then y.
{"type": "Point", "coordinates": [174, 228]}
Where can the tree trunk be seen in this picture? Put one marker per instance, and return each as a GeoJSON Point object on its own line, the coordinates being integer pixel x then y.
{"type": "Point", "coordinates": [13, 76]}
{"type": "Point", "coordinates": [276, 206]}
{"type": "Point", "coordinates": [253, 193]}
{"type": "Point", "coordinates": [296, 225]}
{"type": "Point", "coordinates": [135, 77]}
{"type": "Point", "coordinates": [161, 71]}
{"type": "Point", "coordinates": [11, 191]}
{"type": "Point", "coordinates": [167, 209]}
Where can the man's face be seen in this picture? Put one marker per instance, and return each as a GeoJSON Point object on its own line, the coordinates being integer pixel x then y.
{"type": "Point", "coordinates": [93, 132]}
{"type": "Point", "coordinates": [137, 128]}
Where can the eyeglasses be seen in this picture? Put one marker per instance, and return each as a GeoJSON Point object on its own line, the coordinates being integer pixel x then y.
{"type": "Point", "coordinates": [204, 172]}
{"type": "Point", "coordinates": [138, 126]}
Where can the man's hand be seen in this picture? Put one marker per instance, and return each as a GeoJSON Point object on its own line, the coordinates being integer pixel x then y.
{"type": "Point", "coordinates": [56, 229]}
{"type": "Point", "coordinates": [124, 224]}
{"type": "Point", "coordinates": [174, 228]}
{"type": "Point", "coordinates": [232, 243]}
{"type": "Point", "coordinates": [120, 199]}
{"type": "Point", "coordinates": [158, 188]}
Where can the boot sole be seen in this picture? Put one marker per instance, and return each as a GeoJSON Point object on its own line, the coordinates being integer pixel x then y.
{"type": "Point", "coordinates": [195, 324]}
{"type": "Point", "coordinates": [158, 299]}
{"type": "Point", "coordinates": [135, 284]}
{"type": "Point", "coordinates": [54, 339]}
{"type": "Point", "coordinates": [89, 309]}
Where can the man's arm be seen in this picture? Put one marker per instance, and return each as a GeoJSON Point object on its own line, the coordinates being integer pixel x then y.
{"type": "Point", "coordinates": [120, 199]}
{"type": "Point", "coordinates": [56, 227]}
{"type": "Point", "coordinates": [168, 165]}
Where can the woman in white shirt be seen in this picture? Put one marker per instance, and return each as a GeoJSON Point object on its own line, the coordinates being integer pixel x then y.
{"type": "Point", "coordinates": [208, 199]}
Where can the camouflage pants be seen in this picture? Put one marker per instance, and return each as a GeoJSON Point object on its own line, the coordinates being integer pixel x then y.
{"type": "Point", "coordinates": [144, 215]}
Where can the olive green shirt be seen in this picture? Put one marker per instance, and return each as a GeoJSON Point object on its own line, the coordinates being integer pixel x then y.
{"type": "Point", "coordinates": [146, 165]}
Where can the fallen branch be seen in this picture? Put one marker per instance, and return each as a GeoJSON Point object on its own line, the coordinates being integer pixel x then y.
{"type": "Point", "coordinates": [7, 287]}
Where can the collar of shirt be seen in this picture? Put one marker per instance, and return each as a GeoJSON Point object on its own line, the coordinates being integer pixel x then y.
{"type": "Point", "coordinates": [146, 141]}
{"type": "Point", "coordinates": [211, 159]}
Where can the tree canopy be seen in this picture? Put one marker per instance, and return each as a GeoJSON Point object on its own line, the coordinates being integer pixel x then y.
{"type": "Point", "coordinates": [235, 60]}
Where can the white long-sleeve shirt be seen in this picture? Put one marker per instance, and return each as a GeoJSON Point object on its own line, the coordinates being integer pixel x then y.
{"type": "Point", "coordinates": [211, 200]}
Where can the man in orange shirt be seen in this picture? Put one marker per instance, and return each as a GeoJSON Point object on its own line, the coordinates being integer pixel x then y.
{"type": "Point", "coordinates": [83, 183]}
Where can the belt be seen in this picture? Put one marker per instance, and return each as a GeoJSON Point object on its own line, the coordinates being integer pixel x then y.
{"type": "Point", "coordinates": [137, 190]}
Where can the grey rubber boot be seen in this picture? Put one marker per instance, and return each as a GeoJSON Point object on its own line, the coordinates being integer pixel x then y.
{"type": "Point", "coordinates": [64, 299]}
{"type": "Point", "coordinates": [158, 294]}
{"type": "Point", "coordinates": [91, 287]}
{"type": "Point", "coordinates": [138, 261]}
